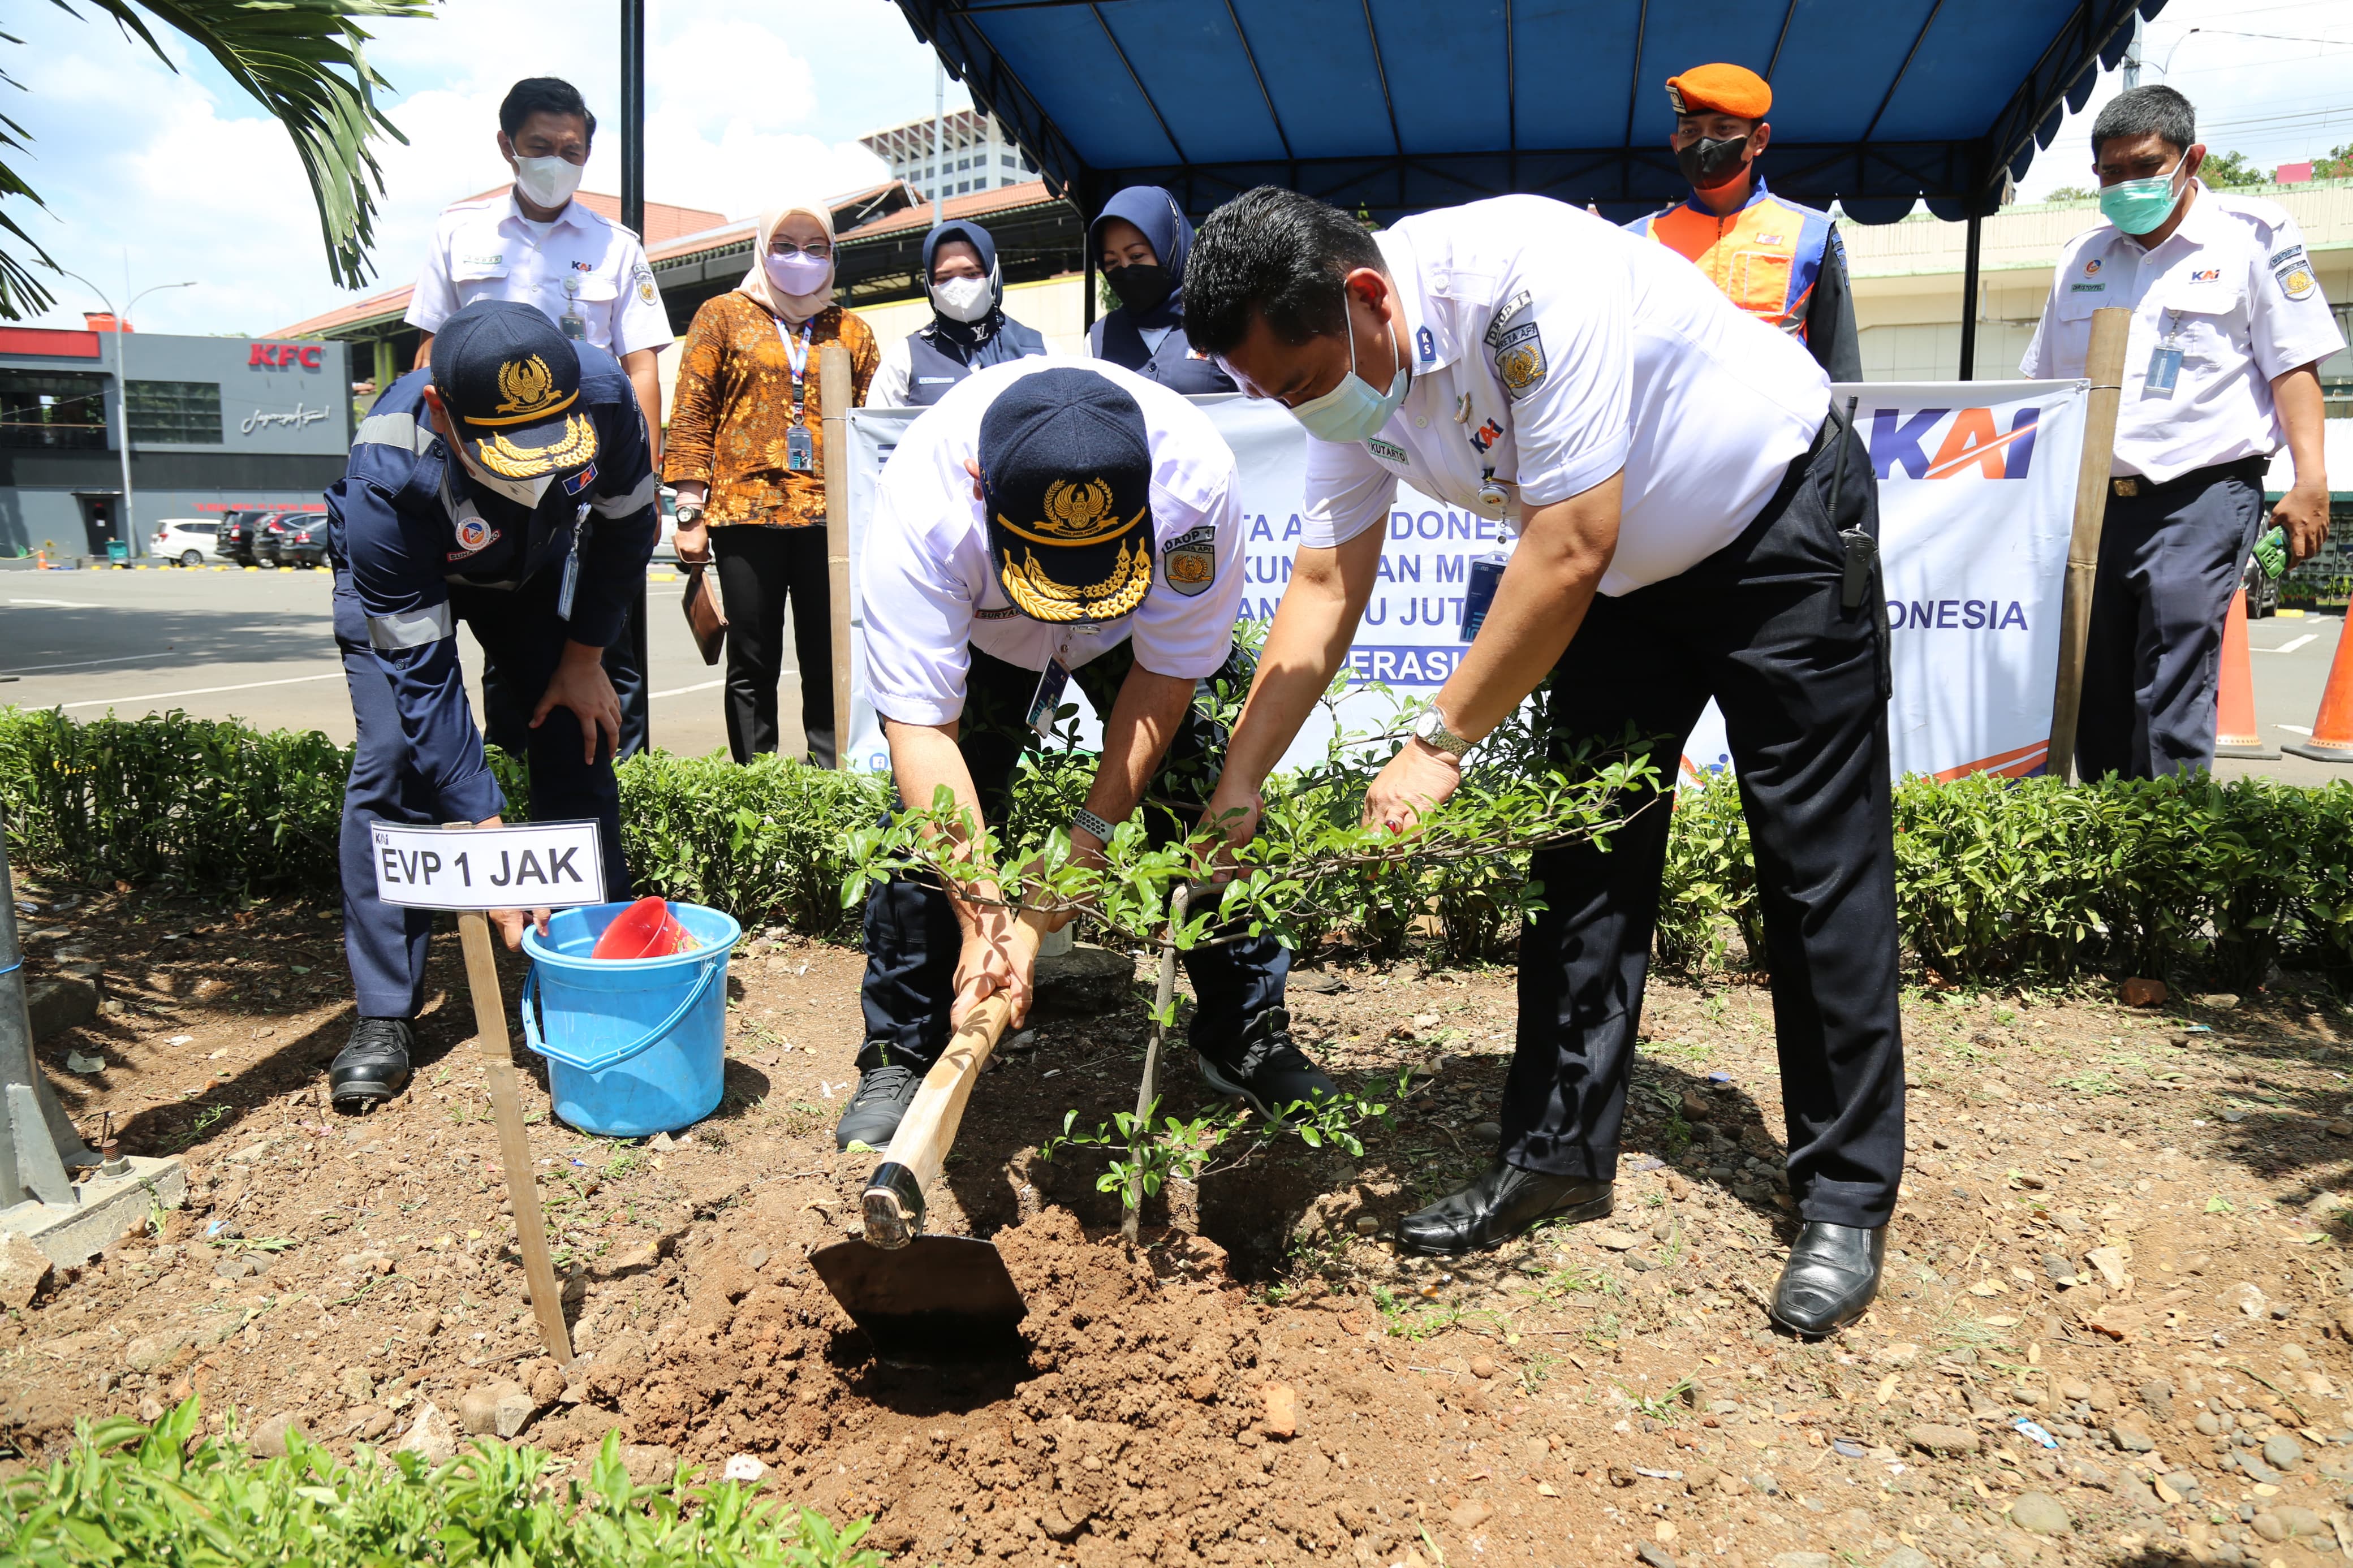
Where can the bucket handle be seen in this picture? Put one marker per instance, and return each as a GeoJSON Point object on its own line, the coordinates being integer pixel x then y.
{"type": "Point", "coordinates": [599, 1063]}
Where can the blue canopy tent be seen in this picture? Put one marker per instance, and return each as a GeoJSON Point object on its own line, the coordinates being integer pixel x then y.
{"type": "Point", "coordinates": [1396, 106]}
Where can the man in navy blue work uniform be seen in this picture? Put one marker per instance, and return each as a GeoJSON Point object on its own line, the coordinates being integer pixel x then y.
{"type": "Point", "coordinates": [509, 485]}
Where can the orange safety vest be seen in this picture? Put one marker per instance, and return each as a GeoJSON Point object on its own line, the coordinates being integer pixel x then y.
{"type": "Point", "coordinates": [1765, 257]}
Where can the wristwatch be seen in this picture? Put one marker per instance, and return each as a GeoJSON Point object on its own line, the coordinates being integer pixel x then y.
{"type": "Point", "coordinates": [688, 512]}
{"type": "Point", "coordinates": [1430, 728]}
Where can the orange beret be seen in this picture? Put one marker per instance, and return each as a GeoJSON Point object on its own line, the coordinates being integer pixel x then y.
{"type": "Point", "coordinates": [1720, 89]}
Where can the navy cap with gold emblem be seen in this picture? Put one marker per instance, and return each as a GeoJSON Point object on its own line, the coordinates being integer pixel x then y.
{"type": "Point", "coordinates": [510, 381]}
{"type": "Point", "coordinates": [1066, 477]}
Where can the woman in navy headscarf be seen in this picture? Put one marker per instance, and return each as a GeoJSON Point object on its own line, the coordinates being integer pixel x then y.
{"type": "Point", "coordinates": [969, 329]}
{"type": "Point", "coordinates": [1141, 242]}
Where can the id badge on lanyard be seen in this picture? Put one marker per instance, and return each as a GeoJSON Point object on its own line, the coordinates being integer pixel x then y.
{"type": "Point", "coordinates": [572, 565]}
{"type": "Point", "coordinates": [1046, 704]}
{"type": "Point", "coordinates": [800, 447]}
{"type": "Point", "coordinates": [575, 324]}
{"type": "Point", "coordinates": [2164, 359]}
{"type": "Point", "coordinates": [1486, 571]}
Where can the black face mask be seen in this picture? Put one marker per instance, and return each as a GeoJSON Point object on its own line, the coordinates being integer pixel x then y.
{"type": "Point", "coordinates": [1708, 162]}
{"type": "Point", "coordinates": [1141, 286]}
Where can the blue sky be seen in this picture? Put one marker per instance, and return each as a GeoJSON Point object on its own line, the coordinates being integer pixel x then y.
{"type": "Point", "coordinates": [181, 177]}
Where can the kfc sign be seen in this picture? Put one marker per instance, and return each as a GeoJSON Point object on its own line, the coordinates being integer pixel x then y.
{"type": "Point", "coordinates": [285, 356]}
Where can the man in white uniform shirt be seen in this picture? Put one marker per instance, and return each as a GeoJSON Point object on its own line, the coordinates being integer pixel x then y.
{"type": "Point", "coordinates": [534, 245]}
{"type": "Point", "coordinates": [1668, 463]}
{"type": "Point", "coordinates": [2220, 369]}
{"type": "Point", "coordinates": [1043, 523]}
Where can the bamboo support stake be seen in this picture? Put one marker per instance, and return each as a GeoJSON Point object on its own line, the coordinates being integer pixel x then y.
{"type": "Point", "coordinates": [1148, 1091]}
{"type": "Point", "coordinates": [514, 1148]}
{"type": "Point", "coordinates": [833, 389]}
{"type": "Point", "coordinates": [2104, 365]}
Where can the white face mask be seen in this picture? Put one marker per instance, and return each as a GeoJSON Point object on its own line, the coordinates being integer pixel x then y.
{"type": "Point", "coordinates": [963, 299]}
{"type": "Point", "coordinates": [546, 182]}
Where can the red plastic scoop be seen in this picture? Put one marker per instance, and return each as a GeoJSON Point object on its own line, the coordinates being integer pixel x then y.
{"type": "Point", "coordinates": [645, 930]}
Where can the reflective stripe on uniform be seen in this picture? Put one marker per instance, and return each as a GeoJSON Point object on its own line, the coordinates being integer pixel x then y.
{"type": "Point", "coordinates": [414, 628]}
{"type": "Point", "coordinates": [400, 430]}
{"type": "Point", "coordinates": [638, 499]}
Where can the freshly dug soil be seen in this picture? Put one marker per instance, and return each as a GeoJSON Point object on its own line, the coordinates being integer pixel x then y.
{"type": "Point", "coordinates": [2122, 1226]}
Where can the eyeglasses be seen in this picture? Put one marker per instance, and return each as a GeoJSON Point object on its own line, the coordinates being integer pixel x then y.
{"type": "Point", "coordinates": [820, 251]}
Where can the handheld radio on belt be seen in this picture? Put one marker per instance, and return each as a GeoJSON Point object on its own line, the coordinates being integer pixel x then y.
{"type": "Point", "coordinates": [1862, 549]}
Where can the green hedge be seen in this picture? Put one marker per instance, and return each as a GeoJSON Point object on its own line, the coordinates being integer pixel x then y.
{"type": "Point", "coordinates": [1996, 878]}
{"type": "Point", "coordinates": [129, 1494]}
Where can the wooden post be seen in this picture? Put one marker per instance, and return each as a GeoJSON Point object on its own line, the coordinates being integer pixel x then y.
{"type": "Point", "coordinates": [514, 1148]}
{"type": "Point", "coordinates": [1148, 1092]}
{"type": "Point", "coordinates": [2104, 365]}
{"type": "Point", "coordinates": [833, 389]}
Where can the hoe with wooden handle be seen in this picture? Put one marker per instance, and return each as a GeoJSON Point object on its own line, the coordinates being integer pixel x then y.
{"type": "Point", "coordinates": [926, 1299]}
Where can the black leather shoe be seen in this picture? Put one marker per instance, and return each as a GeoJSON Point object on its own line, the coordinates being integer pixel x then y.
{"type": "Point", "coordinates": [1265, 1071]}
{"type": "Point", "coordinates": [1498, 1207]}
{"type": "Point", "coordinates": [874, 1112]}
{"type": "Point", "coordinates": [372, 1066]}
{"type": "Point", "coordinates": [1831, 1278]}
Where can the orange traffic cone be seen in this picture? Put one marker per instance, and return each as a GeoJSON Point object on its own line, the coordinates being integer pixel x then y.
{"type": "Point", "coordinates": [2236, 734]}
{"type": "Point", "coordinates": [2332, 727]}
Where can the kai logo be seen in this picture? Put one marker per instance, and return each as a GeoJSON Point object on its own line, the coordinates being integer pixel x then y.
{"type": "Point", "coordinates": [1486, 436]}
{"type": "Point", "coordinates": [1967, 442]}
{"type": "Point", "coordinates": [2207, 275]}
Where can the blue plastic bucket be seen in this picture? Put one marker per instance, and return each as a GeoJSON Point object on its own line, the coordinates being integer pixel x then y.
{"type": "Point", "coordinates": [634, 1046]}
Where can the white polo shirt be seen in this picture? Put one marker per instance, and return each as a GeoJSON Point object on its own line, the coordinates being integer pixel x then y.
{"type": "Point", "coordinates": [2232, 289]}
{"type": "Point", "coordinates": [927, 593]}
{"type": "Point", "coordinates": [584, 266]}
{"type": "Point", "coordinates": [1550, 350]}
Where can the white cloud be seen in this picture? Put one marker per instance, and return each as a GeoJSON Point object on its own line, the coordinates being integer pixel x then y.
{"type": "Point", "coordinates": [184, 176]}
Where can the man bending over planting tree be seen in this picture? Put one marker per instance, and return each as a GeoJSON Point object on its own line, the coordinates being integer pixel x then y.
{"type": "Point", "coordinates": [509, 485]}
{"type": "Point", "coordinates": [1044, 522]}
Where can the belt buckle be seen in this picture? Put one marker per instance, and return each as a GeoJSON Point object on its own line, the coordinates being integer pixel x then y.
{"type": "Point", "coordinates": [2127, 486]}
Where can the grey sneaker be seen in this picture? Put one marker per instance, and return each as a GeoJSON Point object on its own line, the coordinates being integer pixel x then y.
{"type": "Point", "coordinates": [876, 1109]}
{"type": "Point", "coordinates": [1265, 1071]}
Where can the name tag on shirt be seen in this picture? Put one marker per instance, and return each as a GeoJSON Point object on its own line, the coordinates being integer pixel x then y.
{"type": "Point", "coordinates": [800, 450]}
{"type": "Point", "coordinates": [2164, 368]}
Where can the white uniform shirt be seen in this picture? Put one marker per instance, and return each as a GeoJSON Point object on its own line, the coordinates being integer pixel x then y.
{"type": "Point", "coordinates": [1554, 349]}
{"type": "Point", "coordinates": [587, 267]}
{"type": "Point", "coordinates": [2233, 289]}
{"type": "Point", "coordinates": [928, 594]}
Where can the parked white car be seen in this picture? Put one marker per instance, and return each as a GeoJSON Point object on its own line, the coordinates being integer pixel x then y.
{"type": "Point", "coordinates": [188, 541]}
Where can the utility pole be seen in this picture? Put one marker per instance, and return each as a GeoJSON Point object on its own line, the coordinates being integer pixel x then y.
{"type": "Point", "coordinates": [939, 133]}
{"type": "Point", "coordinates": [2132, 54]}
{"type": "Point", "coordinates": [123, 524]}
{"type": "Point", "coordinates": [633, 117]}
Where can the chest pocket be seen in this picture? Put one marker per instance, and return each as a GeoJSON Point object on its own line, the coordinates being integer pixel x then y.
{"type": "Point", "coordinates": [2080, 296]}
{"type": "Point", "coordinates": [1758, 283]}
{"type": "Point", "coordinates": [2210, 318]}
{"type": "Point", "coordinates": [484, 266]}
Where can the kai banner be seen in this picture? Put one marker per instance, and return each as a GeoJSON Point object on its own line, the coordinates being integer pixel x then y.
{"type": "Point", "coordinates": [1976, 480]}
{"type": "Point", "coordinates": [1977, 497]}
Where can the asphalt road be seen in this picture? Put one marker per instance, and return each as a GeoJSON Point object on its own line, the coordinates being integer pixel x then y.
{"type": "Point", "coordinates": [258, 645]}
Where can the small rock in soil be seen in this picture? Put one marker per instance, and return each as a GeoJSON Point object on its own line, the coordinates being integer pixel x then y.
{"type": "Point", "coordinates": [429, 1437]}
{"type": "Point", "coordinates": [269, 1437]}
{"type": "Point", "coordinates": [649, 1464]}
{"type": "Point", "coordinates": [1800, 1560]}
{"type": "Point", "coordinates": [2131, 1439]}
{"type": "Point", "coordinates": [2282, 1452]}
{"type": "Point", "coordinates": [2300, 1520]}
{"type": "Point", "coordinates": [23, 1268]}
{"type": "Point", "coordinates": [1656, 1556]}
{"type": "Point", "coordinates": [2040, 1513]}
{"type": "Point", "coordinates": [1281, 1410]}
{"type": "Point", "coordinates": [357, 1386]}
{"type": "Point", "coordinates": [375, 1422]}
{"type": "Point", "coordinates": [2270, 1526]}
{"type": "Point", "coordinates": [1906, 1557]}
{"type": "Point", "coordinates": [1482, 1367]}
{"type": "Point", "coordinates": [501, 1407]}
{"type": "Point", "coordinates": [742, 1467]}
{"type": "Point", "coordinates": [1936, 1438]}
{"type": "Point", "coordinates": [1470, 1514]}
{"type": "Point", "coordinates": [1614, 1239]}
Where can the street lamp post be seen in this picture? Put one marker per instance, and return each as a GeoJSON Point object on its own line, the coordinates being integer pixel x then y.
{"type": "Point", "coordinates": [122, 384]}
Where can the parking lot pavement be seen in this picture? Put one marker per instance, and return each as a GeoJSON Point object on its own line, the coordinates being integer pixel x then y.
{"type": "Point", "coordinates": [258, 645]}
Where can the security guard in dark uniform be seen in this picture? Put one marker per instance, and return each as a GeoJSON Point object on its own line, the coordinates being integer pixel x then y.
{"type": "Point", "coordinates": [1141, 239]}
{"type": "Point", "coordinates": [1780, 262]}
{"type": "Point", "coordinates": [510, 486]}
{"type": "Point", "coordinates": [968, 330]}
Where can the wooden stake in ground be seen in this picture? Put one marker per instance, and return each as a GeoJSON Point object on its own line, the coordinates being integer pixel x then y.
{"type": "Point", "coordinates": [833, 391]}
{"type": "Point", "coordinates": [514, 1148]}
{"type": "Point", "coordinates": [1147, 1092]}
{"type": "Point", "coordinates": [2104, 365]}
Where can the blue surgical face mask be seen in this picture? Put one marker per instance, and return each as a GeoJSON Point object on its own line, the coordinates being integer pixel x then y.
{"type": "Point", "coordinates": [1352, 411]}
{"type": "Point", "coordinates": [2137, 206]}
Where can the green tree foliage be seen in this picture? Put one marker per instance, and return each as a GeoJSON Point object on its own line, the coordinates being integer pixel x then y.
{"type": "Point", "coordinates": [2337, 166]}
{"type": "Point", "coordinates": [2073, 193]}
{"type": "Point", "coordinates": [2227, 170]}
{"type": "Point", "coordinates": [303, 61]}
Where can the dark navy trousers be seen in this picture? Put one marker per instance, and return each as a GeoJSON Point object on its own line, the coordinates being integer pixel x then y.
{"type": "Point", "coordinates": [2169, 561]}
{"type": "Point", "coordinates": [912, 939]}
{"type": "Point", "coordinates": [1758, 626]}
{"type": "Point", "coordinates": [520, 629]}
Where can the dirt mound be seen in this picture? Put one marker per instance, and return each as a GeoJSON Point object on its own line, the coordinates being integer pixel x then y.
{"type": "Point", "coordinates": [1140, 1425]}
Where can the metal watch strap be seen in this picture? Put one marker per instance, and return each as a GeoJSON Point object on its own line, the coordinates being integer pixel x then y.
{"type": "Point", "coordinates": [1095, 824]}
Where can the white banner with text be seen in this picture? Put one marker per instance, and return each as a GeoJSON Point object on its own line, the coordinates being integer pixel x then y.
{"type": "Point", "coordinates": [1977, 484]}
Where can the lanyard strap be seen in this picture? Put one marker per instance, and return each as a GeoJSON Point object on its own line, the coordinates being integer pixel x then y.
{"type": "Point", "coordinates": [796, 350]}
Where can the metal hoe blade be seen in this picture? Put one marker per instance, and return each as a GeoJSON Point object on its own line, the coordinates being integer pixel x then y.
{"type": "Point", "coordinates": [938, 1298]}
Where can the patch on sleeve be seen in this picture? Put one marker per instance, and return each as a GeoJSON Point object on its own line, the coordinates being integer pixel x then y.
{"type": "Point", "coordinates": [645, 281]}
{"type": "Point", "coordinates": [1518, 346]}
{"type": "Point", "coordinates": [1188, 562]}
{"type": "Point", "coordinates": [1504, 315]}
{"type": "Point", "coordinates": [2292, 270]}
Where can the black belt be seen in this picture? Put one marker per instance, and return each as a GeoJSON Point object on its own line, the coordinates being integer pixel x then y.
{"type": "Point", "coordinates": [2140, 487]}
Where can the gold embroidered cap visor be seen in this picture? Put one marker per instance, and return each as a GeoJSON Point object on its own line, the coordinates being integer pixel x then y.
{"type": "Point", "coordinates": [510, 381]}
{"type": "Point", "coordinates": [1066, 481]}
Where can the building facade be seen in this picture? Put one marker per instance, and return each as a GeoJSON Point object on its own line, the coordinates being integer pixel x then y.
{"type": "Point", "coordinates": [979, 154]}
{"type": "Point", "coordinates": [216, 425]}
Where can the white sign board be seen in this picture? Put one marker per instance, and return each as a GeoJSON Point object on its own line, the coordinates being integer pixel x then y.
{"type": "Point", "coordinates": [528, 866]}
{"type": "Point", "coordinates": [1977, 494]}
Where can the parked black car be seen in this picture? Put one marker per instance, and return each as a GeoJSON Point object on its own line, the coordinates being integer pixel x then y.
{"type": "Point", "coordinates": [237, 533]}
{"type": "Point", "coordinates": [303, 542]}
